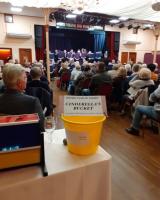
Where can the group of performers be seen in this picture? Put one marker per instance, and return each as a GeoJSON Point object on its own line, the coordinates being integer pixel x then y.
{"type": "Point", "coordinates": [79, 54]}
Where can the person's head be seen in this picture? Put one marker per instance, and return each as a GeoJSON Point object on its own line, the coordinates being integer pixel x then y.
{"type": "Point", "coordinates": [101, 67]}
{"type": "Point", "coordinates": [77, 65]}
{"type": "Point", "coordinates": [38, 64]}
{"type": "Point", "coordinates": [115, 67]}
{"type": "Point", "coordinates": [144, 74]}
{"type": "Point", "coordinates": [36, 73]}
{"type": "Point", "coordinates": [144, 65]}
{"type": "Point", "coordinates": [136, 68]}
{"type": "Point", "coordinates": [122, 72]}
{"type": "Point", "coordinates": [14, 77]}
{"type": "Point", "coordinates": [16, 61]}
{"type": "Point", "coordinates": [152, 67]}
{"type": "Point", "coordinates": [64, 65]}
{"type": "Point", "coordinates": [11, 61]}
{"type": "Point", "coordinates": [87, 68]}
{"type": "Point", "coordinates": [128, 67]}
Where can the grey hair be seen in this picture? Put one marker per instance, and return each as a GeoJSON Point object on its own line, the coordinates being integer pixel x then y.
{"type": "Point", "coordinates": [11, 74]}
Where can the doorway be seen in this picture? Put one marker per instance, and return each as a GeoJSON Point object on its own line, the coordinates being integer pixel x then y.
{"type": "Point", "coordinates": [25, 55]}
{"type": "Point", "coordinates": [124, 57]}
{"type": "Point", "coordinates": [132, 56]}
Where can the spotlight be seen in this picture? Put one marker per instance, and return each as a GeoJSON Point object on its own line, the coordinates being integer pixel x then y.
{"type": "Point", "coordinates": [114, 21]}
{"type": "Point", "coordinates": [130, 26]}
{"type": "Point", "coordinates": [121, 25]}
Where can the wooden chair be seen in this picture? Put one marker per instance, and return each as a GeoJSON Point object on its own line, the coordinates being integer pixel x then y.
{"type": "Point", "coordinates": [153, 123]}
{"type": "Point", "coordinates": [64, 80]}
{"type": "Point", "coordinates": [105, 89]}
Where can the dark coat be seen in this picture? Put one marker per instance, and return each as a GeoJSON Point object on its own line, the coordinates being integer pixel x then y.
{"type": "Point", "coordinates": [99, 79]}
{"type": "Point", "coordinates": [13, 102]}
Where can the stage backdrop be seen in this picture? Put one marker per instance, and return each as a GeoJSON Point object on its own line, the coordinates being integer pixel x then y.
{"type": "Point", "coordinates": [76, 39]}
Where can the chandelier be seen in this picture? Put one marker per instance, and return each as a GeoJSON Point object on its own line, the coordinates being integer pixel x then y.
{"type": "Point", "coordinates": [66, 4]}
{"type": "Point", "coordinates": [78, 4]}
{"type": "Point", "coordinates": [156, 5]}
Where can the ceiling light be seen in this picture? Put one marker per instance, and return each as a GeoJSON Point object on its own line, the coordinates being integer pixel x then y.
{"type": "Point", "coordinates": [148, 25]}
{"type": "Point", "coordinates": [78, 12]}
{"type": "Point", "coordinates": [60, 24]}
{"type": "Point", "coordinates": [114, 21]}
{"type": "Point", "coordinates": [98, 27]}
{"type": "Point", "coordinates": [123, 18]}
{"type": "Point", "coordinates": [16, 9]}
{"type": "Point", "coordinates": [70, 16]}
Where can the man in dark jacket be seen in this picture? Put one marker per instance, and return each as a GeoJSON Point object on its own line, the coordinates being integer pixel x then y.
{"type": "Point", "coordinates": [99, 78]}
{"type": "Point", "coordinates": [13, 101]}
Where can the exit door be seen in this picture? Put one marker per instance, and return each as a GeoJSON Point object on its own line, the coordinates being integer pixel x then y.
{"type": "Point", "coordinates": [25, 55]}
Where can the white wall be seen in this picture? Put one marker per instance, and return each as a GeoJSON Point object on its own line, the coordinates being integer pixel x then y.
{"type": "Point", "coordinates": [146, 38]}
{"type": "Point", "coordinates": [21, 24]}
{"type": "Point", "coordinates": [26, 24]}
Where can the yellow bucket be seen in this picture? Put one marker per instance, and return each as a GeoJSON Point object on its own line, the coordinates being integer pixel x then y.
{"type": "Point", "coordinates": [83, 133]}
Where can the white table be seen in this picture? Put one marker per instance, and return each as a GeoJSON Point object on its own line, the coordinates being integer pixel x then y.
{"type": "Point", "coordinates": [70, 177]}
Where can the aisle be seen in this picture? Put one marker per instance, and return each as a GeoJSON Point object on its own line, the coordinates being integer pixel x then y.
{"type": "Point", "coordinates": [135, 160]}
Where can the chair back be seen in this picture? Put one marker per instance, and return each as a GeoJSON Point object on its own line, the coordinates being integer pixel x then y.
{"type": "Point", "coordinates": [44, 97]}
{"type": "Point", "coordinates": [104, 89]}
{"type": "Point", "coordinates": [84, 84]}
{"type": "Point", "coordinates": [65, 77]}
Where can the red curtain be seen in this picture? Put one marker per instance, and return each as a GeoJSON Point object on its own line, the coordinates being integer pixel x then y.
{"type": "Point", "coordinates": [111, 45]}
{"type": "Point", "coordinates": [40, 52]}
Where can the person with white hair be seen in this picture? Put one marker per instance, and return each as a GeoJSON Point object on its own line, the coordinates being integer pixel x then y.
{"type": "Point", "coordinates": [128, 69]}
{"type": "Point", "coordinates": [114, 71]}
{"type": "Point", "coordinates": [76, 71]}
{"type": "Point", "coordinates": [74, 75]}
{"type": "Point", "coordinates": [13, 101]}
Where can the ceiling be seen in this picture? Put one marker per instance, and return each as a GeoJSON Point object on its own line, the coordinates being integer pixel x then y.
{"type": "Point", "coordinates": [138, 11]}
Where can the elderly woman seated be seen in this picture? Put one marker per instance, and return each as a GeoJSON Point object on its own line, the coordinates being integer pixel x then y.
{"type": "Point", "coordinates": [144, 81]}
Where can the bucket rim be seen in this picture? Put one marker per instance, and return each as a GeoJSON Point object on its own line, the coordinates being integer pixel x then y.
{"type": "Point", "coordinates": [86, 123]}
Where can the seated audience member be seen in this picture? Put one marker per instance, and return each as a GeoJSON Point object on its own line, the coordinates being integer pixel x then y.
{"type": "Point", "coordinates": [63, 68]}
{"type": "Point", "coordinates": [113, 72]}
{"type": "Point", "coordinates": [154, 76]}
{"type": "Point", "coordinates": [36, 74]}
{"type": "Point", "coordinates": [43, 77]}
{"type": "Point", "coordinates": [16, 61]}
{"type": "Point", "coordinates": [76, 72]}
{"type": "Point", "coordinates": [83, 80]}
{"type": "Point", "coordinates": [118, 85]}
{"type": "Point", "coordinates": [74, 75]}
{"type": "Point", "coordinates": [135, 70]}
{"type": "Point", "coordinates": [149, 111]}
{"type": "Point", "coordinates": [144, 79]}
{"type": "Point", "coordinates": [13, 101]}
{"type": "Point", "coordinates": [143, 82]}
{"type": "Point", "coordinates": [99, 78]}
{"type": "Point", "coordinates": [128, 69]}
